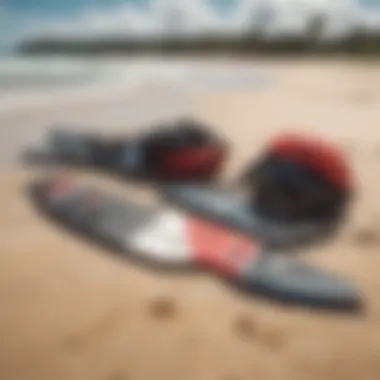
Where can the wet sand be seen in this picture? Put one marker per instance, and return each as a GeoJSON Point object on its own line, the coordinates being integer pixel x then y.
{"type": "Point", "coordinates": [70, 310]}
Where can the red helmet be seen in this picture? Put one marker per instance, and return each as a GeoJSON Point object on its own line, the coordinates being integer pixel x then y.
{"type": "Point", "coordinates": [301, 177]}
{"type": "Point", "coordinates": [316, 153]}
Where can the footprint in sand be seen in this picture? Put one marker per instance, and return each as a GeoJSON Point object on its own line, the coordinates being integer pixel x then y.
{"type": "Point", "coordinates": [366, 237]}
{"type": "Point", "coordinates": [163, 308]}
{"type": "Point", "coordinates": [249, 330]}
{"type": "Point", "coordinates": [245, 328]}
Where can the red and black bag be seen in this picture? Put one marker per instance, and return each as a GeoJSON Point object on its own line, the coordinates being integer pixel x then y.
{"type": "Point", "coordinates": [188, 151]}
{"type": "Point", "coordinates": [184, 150]}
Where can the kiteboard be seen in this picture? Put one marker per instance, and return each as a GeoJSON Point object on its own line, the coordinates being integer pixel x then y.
{"type": "Point", "coordinates": [167, 236]}
{"type": "Point", "coordinates": [232, 209]}
{"type": "Point", "coordinates": [157, 234]}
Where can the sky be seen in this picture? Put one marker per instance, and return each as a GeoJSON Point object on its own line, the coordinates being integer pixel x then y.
{"type": "Point", "coordinates": [88, 18]}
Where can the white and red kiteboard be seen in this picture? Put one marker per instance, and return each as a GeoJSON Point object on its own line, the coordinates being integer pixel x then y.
{"type": "Point", "coordinates": [229, 208]}
{"type": "Point", "coordinates": [169, 237]}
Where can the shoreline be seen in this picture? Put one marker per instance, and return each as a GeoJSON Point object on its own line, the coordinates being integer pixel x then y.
{"type": "Point", "coordinates": [190, 73]}
{"type": "Point", "coordinates": [195, 75]}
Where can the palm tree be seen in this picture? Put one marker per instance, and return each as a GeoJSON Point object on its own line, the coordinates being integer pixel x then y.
{"type": "Point", "coordinates": [262, 18]}
{"type": "Point", "coordinates": [316, 28]}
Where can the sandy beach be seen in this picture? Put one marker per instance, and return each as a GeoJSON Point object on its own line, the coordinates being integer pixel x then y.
{"type": "Point", "coordinates": [70, 310]}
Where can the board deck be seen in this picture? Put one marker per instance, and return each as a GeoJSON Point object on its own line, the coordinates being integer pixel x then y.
{"type": "Point", "coordinates": [158, 234]}
{"type": "Point", "coordinates": [228, 208]}
{"type": "Point", "coordinates": [165, 236]}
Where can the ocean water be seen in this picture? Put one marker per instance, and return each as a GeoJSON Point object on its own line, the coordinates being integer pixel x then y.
{"type": "Point", "coordinates": [21, 73]}
{"type": "Point", "coordinates": [18, 73]}
{"type": "Point", "coordinates": [32, 82]}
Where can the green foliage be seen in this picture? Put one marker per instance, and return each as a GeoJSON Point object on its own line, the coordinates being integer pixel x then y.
{"type": "Point", "coordinates": [358, 43]}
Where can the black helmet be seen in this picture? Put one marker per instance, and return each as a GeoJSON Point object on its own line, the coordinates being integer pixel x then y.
{"type": "Point", "coordinates": [300, 179]}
